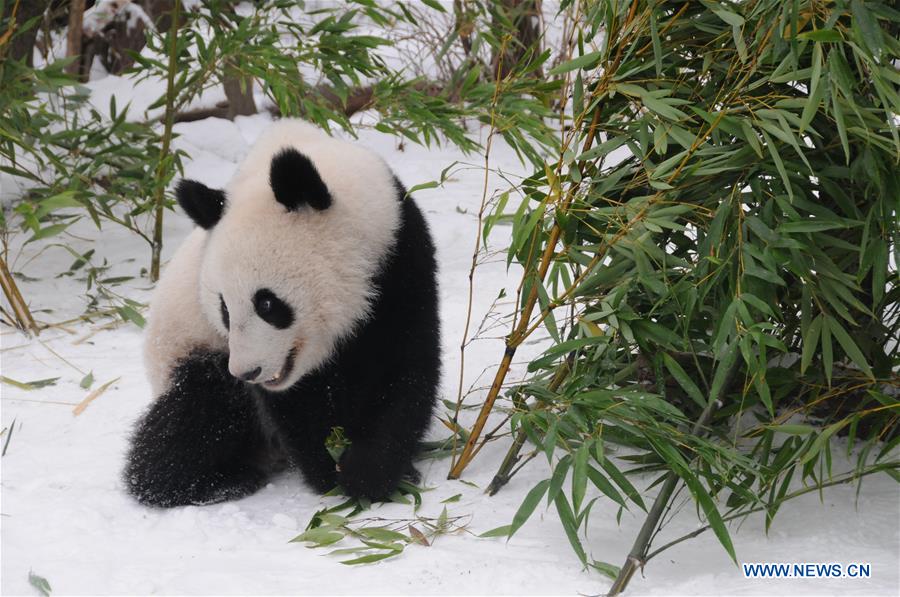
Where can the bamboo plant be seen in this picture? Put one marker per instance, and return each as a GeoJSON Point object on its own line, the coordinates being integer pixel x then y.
{"type": "Point", "coordinates": [711, 256]}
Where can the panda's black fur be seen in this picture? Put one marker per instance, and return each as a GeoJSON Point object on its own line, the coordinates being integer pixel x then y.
{"type": "Point", "coordinates": [210, 437]}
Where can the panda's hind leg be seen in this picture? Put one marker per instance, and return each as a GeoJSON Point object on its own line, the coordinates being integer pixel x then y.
{"type": "Point", "coordinates": [200, 442]}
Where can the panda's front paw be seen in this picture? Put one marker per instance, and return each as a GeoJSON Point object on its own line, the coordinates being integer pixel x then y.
{"type": "Point", "coordinates": [362, 472]}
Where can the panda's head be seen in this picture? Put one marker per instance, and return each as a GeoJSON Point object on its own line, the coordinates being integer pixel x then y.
{"type": "Point", "coordinates": [293, 244]}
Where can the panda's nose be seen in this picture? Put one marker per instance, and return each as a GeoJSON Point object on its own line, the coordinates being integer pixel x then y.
{"type": "Point", "coordinates": [250, 375]}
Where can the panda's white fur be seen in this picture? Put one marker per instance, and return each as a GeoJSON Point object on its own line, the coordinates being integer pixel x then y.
{"type": "Point", "coordinates": [257, 243]}
{"type": "Point", "coordinates": [176, 324]}
{"type": "Point", "coordinates": [305, 301]}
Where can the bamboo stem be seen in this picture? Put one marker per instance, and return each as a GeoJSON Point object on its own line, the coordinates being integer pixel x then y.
{"type": "Point", "coordinates": [159, 199]}
{"type": "Point", "coordinates": [505, 472]}
{"type": "Point", "coordinates": [471, 292]}
{"type": "Point", "coordinates": [24, 320]}
{"type": "Point", "coordinates": [503, 475]}
{"type": "Point", "coordinates": [521, 329]}
{"type": "Point", "coordinates": [637, 555]}
{"type": "Point", "coordinates": [518, 334]}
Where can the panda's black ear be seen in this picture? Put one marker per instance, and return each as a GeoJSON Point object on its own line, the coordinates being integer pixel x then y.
{"type": "Point", "coordinates": [296, 182]}
{"type": "Point", "coordinates": [203, 204]}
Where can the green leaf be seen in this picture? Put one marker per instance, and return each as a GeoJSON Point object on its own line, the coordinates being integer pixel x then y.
{"type": "Point", "coordinates": [320, 536]}
{"type": "Point", "coordinates": [87, 381]}
{"type": "Point", "coordinates": [571, 528]}
{"type": "Point", "coordinates": [431, 184]}
{"type": "Point", "coordinates": [620, 480]}
{"type": "Point", "coordinates": [866, 27]}
{"type": "Point", "coordinates": [503, 531]}
{"type": "Point", "coordinates": [382, 534]}
{"type": "Point", "coordinates": [735, 20]}
{"type": "Point", "coordinates": [40, 583]}
{"type": "Point", "coordinates": [827, 351]}
{"type": "Point", "coordinates": [822, 439]}
{"type": "Point", "coordinates": [684, 380]}
{"type": "Point", "coordinates": [559, 475]}
{"type": "Point", "coordinates": [29, 385]}
{"type": "Point", "coordinates": [579, 475]}
{"type": "Point", "coordinates": [129, 314]}
{"type": "Point", "coordinates": [712, 514]}
{"type": "Point", "coordinates": [810, 343]}
{"type": "Point", "coordinates": [47, 232]}
{"type": "Point", "coordinates": [816, 90]}
{"type": "Point", "coordinates": [779, 165]}
{"type": "Point", "coordinates": [603, 484]}
{"type": "Point", "coordinates": [806, 226]}
{"type": "Point", "coordinates": [452, 499]}
{"type": "Point", "coordinates": [849, 346]}
{"type": "Point", "coordinates": [722, 371]}
{"type": "Point", "coordinates": [369, 559]}
{"type": "Point", "coordinates": [435, 4]}
{"type": "Point", "coordinates": [528, 505]}
{"type": "Point", "coordinates": [793, 429]}
{"type": "Point", "coordinates": [821, 35]}
{"type": "Point", "coordinates": [606, 569]}
{"type": "Point", "coordinates": [582, 61]}
{"type": "Point", "coordinates": [660, 107]}
{"type": "Point", "coordinates": [838, 114]}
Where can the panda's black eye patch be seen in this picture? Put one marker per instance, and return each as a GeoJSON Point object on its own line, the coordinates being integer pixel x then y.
{"type": "Point", "coordinates": [272, 309]}
{"type": "Point", "coordinates": [224, 311]}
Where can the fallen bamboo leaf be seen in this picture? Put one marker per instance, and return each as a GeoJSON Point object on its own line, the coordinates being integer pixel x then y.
{"type": "Point", "coordinates": [418, 536]}
{"type": "Point", "coordinates": [92, 396]}
{"type": "Point", "coordinates": [87, 381]}
{"type": "Point", "coordinates": [29, 385]}
{"type": "Point", "coordinates": [40, 583]}
{"type": "Point", "coordinates": [12, 426]}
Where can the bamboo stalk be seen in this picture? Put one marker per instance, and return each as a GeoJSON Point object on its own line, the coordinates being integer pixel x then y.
{"type": "Point", "coordinates": [159, 199]}
{"type": "Point", "coordinates": [518, 334]}
{"type": "Point", "coordinates": [637, 555]}
{"type": "Point", "coordinates": [24, 320]}
{"type": "Point", "coordinates": [521, 329]}
{"type": "Point", "coordinates": [477, 250]}
{"type": "Point", "coordinates": [504, 473]}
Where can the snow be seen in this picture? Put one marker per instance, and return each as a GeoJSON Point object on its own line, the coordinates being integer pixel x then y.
{"type": "Point", "coordinates": [66, 517]}
{"type": "Point", "coordinates": [105, 11]}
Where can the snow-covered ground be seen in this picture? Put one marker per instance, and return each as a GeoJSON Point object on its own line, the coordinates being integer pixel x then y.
{"type": "Point", "coordinates": [66, 516]}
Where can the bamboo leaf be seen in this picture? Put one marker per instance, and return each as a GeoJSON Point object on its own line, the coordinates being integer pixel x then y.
{"type": "Point", "coordinates": [568, 521]}
{"type": "Point", "coordinates": [620, 480]}
{"type": "Point", "coordinates": [528, 505]}
{"type": "Point", "coordinates": [371, 558]}
{"type": "Point", "coordinates": [712, 514]}
{"type": "Point", "coordinates": [40, 583]}
{"type": "Point", "coordinates": [810, 343]}
{"type": "Point", "coordinates": [684, 380]}
{"type": "Point", "coordinates": [581, 62]}
{"type": "Point", "coordinates": [849, 346]}
{"type": "Point", "coordinates": [502, 531]}
{"type": "Point", "coordinates": [779, 165]}
{"type": "Point", "coordinates": [579, 476]}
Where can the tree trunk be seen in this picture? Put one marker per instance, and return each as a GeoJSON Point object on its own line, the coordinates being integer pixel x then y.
{"type": "Point", "coordinates": [239, 91]}
{"type": "Point", "coordinates": [22, 45]}
{"type": "Point", "coordinates": [159, 11]}
{"type": "Point", "coordinates": [74, 44]}
{"type": "Point", "coordinates": [524, 15]}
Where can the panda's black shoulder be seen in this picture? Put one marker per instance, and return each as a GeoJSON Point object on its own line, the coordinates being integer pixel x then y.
{"type": "Point", "coordinates": [414, 237]}
{"type": "Point", "coordinates": [399, 188]}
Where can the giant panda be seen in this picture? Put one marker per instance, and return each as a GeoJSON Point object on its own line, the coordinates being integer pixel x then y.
{"type": "Point", "coordinates": [304, 300]}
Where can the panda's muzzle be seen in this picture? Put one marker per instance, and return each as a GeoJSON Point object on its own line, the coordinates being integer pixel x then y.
{"type": "Point", "coordinates": [285, 372]}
